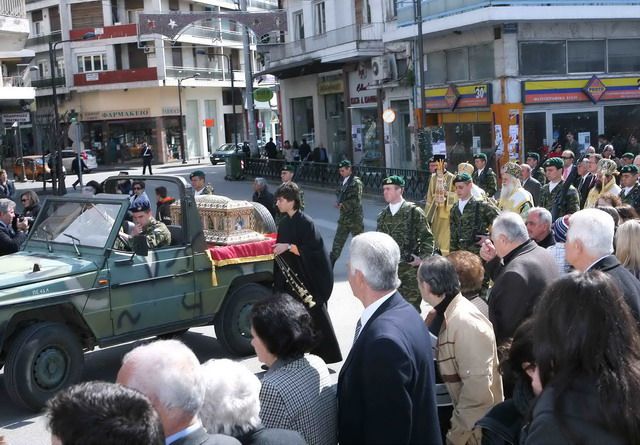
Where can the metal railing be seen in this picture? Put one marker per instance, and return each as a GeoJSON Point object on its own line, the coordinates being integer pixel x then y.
{"type": "Point", "coordinates": [213, 33]}
{"type": "Point", "coordinates": [327, 175]}
{"type": "Point", "coordinates": [205, 73]}
{"type": "Point", "coordinates": [13, 8]}
{"type": "Point", "coordinates": [340, 36]}
{"type": "Point", "coordinates": [55, 36]}
{"type": "Point", "coordinates": [263, 4]}
{"type": "Point", "coordinates": [15, 81]}
{"type": "Point", "coordinates": [46, 82]}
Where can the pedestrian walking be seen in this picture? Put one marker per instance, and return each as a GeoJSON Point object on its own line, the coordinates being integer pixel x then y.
{"type": "Point", "coordinates": [147, 157]}
{"type": "Point", "coordinates": [349, 203]}
{"type": "Point", "coordinates": [77, 168]}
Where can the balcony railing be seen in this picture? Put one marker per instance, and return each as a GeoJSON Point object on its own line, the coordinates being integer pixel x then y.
{"type": "Point", "coordinates": [214, 34]}
{"type": "Point", "coordinates": [340, 36]}
{"type": "Point", "coordinates": [180, 72]}
{"type": "Point", "coordinates": [46, 82]}
{"type": "Point", "coordinates": [117, 76]}
{"type": "Point", "coordinates": [263, 4]}
{"type": "Point", "coordinates": [13, 8]}
{"type": "Point", "coordinates": [55, 36]}
{"type": "Point", "coordinates": [108, 32]}
{"type": "Point", "coordinates": [434, 9]}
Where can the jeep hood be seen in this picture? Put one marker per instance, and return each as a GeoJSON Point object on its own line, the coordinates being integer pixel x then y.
{"type": "Point", "coordinates": [18, 269]}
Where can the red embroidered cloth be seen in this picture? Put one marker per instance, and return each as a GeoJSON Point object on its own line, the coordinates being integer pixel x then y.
{"type": "Point", "coordinates": [237, 253]}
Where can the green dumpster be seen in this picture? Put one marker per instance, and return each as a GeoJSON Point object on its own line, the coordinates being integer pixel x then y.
{"type": "Point", "coordinates": [234, 166]}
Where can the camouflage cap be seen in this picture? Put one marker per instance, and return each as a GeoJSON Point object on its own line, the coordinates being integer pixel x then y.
{"type": "Point", "coordinates": [553, 162]}
{"type": "Point", "coordinates": [629, 155]}
{"type": "Point", "coordinates": [533, 155]}
{"type": "Point", "coordinates": [633, 169]}
{"type": "Point", "coordinates": [344, 164]}
{"type": "Point", "coordinates": [142, 206]}
{"type": "Point", "coordinates": [288, 168]}
{"type": "Point", "coordinates": [394, 180]}
{"type": "Point", "coordinates": [513, 169]}
{"type": "Point", "coordinates": [480, 156]}
{"type": "Point", "coordinates": [198, 173]}
{"type": "Point", "coordinates": [462, 177]}
{"type": "Point", "coordinates": [607, 167]}
{"type": "Point", "coordinates": [465, 167]}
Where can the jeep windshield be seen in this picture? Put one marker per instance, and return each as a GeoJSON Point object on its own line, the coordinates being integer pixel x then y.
{"type": "Point", "coordinates": [82, 223]}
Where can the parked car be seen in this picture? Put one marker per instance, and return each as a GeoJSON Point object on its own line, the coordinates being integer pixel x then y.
{"type": "Point", "coordinates": [221, 153]}
{"type": "Point", "coordinates": [34, 168]}
{"type": "Point", "coordinates": [88, 156]}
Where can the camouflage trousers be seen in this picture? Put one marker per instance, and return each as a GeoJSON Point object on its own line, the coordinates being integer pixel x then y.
{"type": "Point", "coordinates": [409, 285]}
{"type": "Point", "coordinates": [352, 225]}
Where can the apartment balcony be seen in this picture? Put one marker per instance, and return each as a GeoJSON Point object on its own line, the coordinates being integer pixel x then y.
{"type": "Point", "coordinates": [231, 4]}
{"type": "Point", "coordinates": [14, 25]}
{"type": "Point", "coordinates": [107, 32]}
{"type": "Point", "coordinates": [180, 72]}
{"type": "Point", "coordinates": [16, 88]}
{"type": "Point", "coordinates": [13, 8]}
{"type": "Point", "coordinates": [46, 82]}
{"type": "Point", "coordinates": [117, 76]}
{"type": "Point", "coordinates": [346, 44]}
{"type": "Point", "coordinates": [212, 34]}
{"type": "Point", "coordinates": [44, 39]}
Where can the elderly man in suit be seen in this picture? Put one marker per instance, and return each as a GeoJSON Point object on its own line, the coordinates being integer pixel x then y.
{"type": "Point", "coordinates": [530, 184]}
{"type": "Point", "coordinates": [11, 240]}
{"type": "Point", "coordinates": [386, 385]}
{"type": "Point", "coordinates": [169, 374]}
{"type": "Point", "coordinates": [520, 272]}
{"type": "Point", "coordinates": [589, 246]}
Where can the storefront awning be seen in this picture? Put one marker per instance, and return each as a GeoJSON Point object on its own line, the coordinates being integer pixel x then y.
{"type": "Point", "coordinates": [301, 68]}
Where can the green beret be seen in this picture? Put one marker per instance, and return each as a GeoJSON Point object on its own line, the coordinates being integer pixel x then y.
{"type": "Point", "coordinates": [629, 156]}
{"type": "Point", "coordinates": [480, 156]}
{"type": "Point", "coordinates": [553, 162]}
{"type": "Point", "coordinates": [344, 164]}
{"type": "Point", "coordinates": [633, 169]}
{"type": "Point", "coordinates": [462, 177]}
{"type": "Point", "coordinates": [288, 168]}
{"type": "Point", "coordinates": [198, 173]}
{"type": "Point", "coordinates": [394, 180]}
{"type": "Point", "coordinates": [534, 155]}
{"type": "Point", "coordinates": [141, 207]}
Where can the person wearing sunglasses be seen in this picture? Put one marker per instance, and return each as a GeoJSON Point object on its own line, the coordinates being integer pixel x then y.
{"type": "Point", "coordinates": [138, 195]}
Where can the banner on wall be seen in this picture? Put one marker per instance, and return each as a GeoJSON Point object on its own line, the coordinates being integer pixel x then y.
{"type": "Point", "coordinates": [593, 90]}
{"type": "Point", "coordinates": [454, 97]}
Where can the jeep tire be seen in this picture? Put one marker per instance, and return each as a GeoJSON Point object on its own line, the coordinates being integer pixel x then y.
{"type": "Point", "coordinates": [233, 322]}
{"type": "Point", "coordinates": [42, 359]}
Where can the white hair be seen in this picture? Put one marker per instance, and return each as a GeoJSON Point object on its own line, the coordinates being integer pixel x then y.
{"type": "Point", "coordinates": [526, 166]}
{"type": "Point", "coordinates": [6, 205]}
{"type": "Point", "coordinates": [543, 214]}
{"type": "Point", "coordinates": [510, 225]}
{"type": "Point", "coordinates": [232, 398]}
{"type": "Point", "coordinates": [169, 372]}
{"type": "Point", "coordinates": [376, 255]}
{"type": "Point", "coordinates": [594, 229]}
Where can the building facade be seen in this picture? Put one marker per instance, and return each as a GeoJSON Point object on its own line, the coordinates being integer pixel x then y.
{"type": "Point", "coordinates": [125, 88]}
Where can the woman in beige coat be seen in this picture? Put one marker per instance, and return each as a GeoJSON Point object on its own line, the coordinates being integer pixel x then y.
{"type": "Point", "coordinates": [466, 349]}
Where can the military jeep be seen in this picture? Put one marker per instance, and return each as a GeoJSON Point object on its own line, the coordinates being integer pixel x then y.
{"type": "Point", "coordinates": [70, 290]}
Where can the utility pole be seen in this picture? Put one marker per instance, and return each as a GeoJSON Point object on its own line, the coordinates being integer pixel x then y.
{"type": "Point", "coordinates": [248, 80]}
{"type": "Point", "coordinates": [422, 102]}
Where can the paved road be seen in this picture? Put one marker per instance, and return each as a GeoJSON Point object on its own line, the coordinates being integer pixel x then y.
{"type": "Point", "coordinates": [24, 428]}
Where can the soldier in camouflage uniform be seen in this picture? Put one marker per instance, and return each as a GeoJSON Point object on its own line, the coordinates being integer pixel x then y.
{"type": "Point", "coordinates": [556, 196]}
{"type": "Point", "coordinates": [286, 175]}
{"type": "Point", "coordinates": [407, 225]}
{"type": "Point", "coordinates": [470, 218]}
{"type": "Point", "coordinates": [156, 232]}
{"type": "Point", "coordinates": [630, 193]}
{"type": "Point", "coordinates": [484, 177]}
{"type": "Point", "coordinates": [349, 201]}
{"type": "Point", "coordinates": [533, 160]}
{"type": "Point", "coordinates": [198, 182]}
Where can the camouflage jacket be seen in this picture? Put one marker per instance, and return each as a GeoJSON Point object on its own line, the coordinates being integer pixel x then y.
{"type": "Point", "coordinates": [560, 202]}
{"type": "Point", "coordinates": [475, 220]}
{"type": "Point", "coordinates": [206, 190]}
{"type": "Point", "coordinates": [487, 181]}
{"type": "Point", "coordinates": [538, 174]}
{"type": "Point", "coordinates": [632, 198]}
{"type": "Point", "coordinates": [349, 197]}
{"type": "Point", "coordinates": [156, 233]}
{"type": "Point", "coordinates": [409, 228]}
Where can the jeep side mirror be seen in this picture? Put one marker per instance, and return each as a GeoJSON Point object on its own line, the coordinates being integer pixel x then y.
{"type": "Point", "coordinates": [140, 246]}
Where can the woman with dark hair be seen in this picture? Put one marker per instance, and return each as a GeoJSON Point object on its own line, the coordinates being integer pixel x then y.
{"type": "Point", "coordinates": [587, 350]}
{"type": "Point", "coordinates": [297, 391]}
{"type": "Point", "coordinates": [626, 213]}
{"type": "Point", "coordinates": [31, 204]}
{"type": "Point", "coordinates": [92, 187]}
{"type": "Point", "coordinates": [302, 264]}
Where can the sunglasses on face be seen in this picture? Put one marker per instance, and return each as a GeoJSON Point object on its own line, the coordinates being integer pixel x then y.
{"type": "Point", "coordinates": [137, 188]}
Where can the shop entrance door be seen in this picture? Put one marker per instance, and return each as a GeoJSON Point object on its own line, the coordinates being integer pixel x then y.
{"type": "Point", "coordinates": [583, 124]}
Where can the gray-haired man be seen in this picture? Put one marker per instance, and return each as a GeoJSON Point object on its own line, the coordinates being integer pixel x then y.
{"type": "Point", "coordinates": [11, 240]}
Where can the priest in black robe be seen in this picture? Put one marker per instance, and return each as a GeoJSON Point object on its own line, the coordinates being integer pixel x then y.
{"type": "Point", "coordinates": [300, 245]}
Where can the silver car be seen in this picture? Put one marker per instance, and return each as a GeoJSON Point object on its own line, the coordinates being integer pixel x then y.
{"type": "Point", "coordinates": [88, 157]}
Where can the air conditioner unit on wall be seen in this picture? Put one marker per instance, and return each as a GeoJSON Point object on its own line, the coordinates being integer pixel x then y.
{"type": "Point", "coordinates": [384, 68]}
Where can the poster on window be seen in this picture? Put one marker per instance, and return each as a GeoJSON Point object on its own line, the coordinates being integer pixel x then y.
{"type": "Point", "coordinates": [357, 137]}
{"type": "Point", "coordinates": [584, 140]}
{"type": "Point", "coordinates": [514, 141]}
{"type": "Point", "coordinates": [499, 143]}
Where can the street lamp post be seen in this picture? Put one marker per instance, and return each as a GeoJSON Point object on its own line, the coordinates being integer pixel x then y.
{"type": "Point", "coordinates": [182, 151]}
{"type": "Point", "coordinates": [61, 188]}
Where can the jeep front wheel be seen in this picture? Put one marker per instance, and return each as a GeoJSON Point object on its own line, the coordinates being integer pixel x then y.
{"type": "Point", "coordinates": [43, 359]}
{"type": "Point", "coordinates": [233, 322]}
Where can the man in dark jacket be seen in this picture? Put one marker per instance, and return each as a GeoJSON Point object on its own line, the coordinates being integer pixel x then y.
{"type": "Point", "coordinates": [77, 168]}
{"type": "Point", "coordinates": [11, 240]}
{"type": "Point", "coordinates": [262, 195]}
{"type": "Point", "coordinates": [589, 246]}
{"type": "Point", "coordinates": [521, 277]}
{"type": "Point", "coordinates": [530, 184]}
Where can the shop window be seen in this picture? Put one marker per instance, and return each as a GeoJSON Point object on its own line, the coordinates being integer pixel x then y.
{"type": "Point", "coordinates": [298, 25]}
{"type": "Point", "coordinates": [543, 57]}
{"type": "Point", "coordinates": [174, 5]}
{"type": "Point", "coordinates": [457, 64]}
{"type": "Point", "coordinates": [481, 64]}
{"type": "Point", "coordinates": [586, 56]}
{"type": "Point", "coordinates": [535, 132]}
{"type": "Point", "coordinates": [436, 67]}
{"type": "Point", "coordinates": [92, 62]}
{"type": "Point", "coordinates": [303, 125]}
{"type": "Point", "coordinates": [227, 98]}
{"type": "Point", "coordinates": [624, 55]}
{"type": "Point", "coordinates": [320, 23]}
{"type": "Point", "coordinates": [620, 124]}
